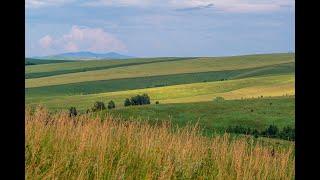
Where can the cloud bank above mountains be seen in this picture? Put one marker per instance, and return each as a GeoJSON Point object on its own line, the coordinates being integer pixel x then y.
{"type": "Point", "coordinates": [233, 6]}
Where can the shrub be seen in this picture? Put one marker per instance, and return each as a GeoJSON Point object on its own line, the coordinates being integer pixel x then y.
{"type": "Point", "coordinates": [219, 99]}
{"type": "Point", "coordinates": [127, 102]}
{"type": "Point", "coordinates": [98, 106]}
{"type": "Point", "coordinates": [73, 112]}
{"type": "Point", "coordinates": [287, 133]}
{"type": "Point", "coordinates": [157, 102]}
{"type": "Point", "coordinates": [111, 105]}
{"type": "Point", "coordinates": [145, 99]}
{"type": "Point", "coordinates": [140, 99]}
{"type": "Point", "coordinates": [271, 131]}
{"type": "Point", "coordinates": [135, 100]}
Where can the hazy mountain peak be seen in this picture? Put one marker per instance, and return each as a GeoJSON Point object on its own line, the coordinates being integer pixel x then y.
{"type": "Point", "coordinates": [85, 55]}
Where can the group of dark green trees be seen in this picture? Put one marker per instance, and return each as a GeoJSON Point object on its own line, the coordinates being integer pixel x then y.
{"type": "Point", "coordinates": [287, 133]}
{"type": "Point", "coordinates": [137, 100]}
{"type": "Point", "coordinates": [99, 105]}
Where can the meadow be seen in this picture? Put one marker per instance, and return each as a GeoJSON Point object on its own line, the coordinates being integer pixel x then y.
{"type": "Point", "coordinates": [43, 61]}
{"type": "Point", "coordinates": [216, 115]}
{"type": "Point", "coordinates": [63, 147]}
{"type": "Point", "coordinates": [275, 85]}
{"type": "Point", "coordinates": [163, 68]}
{"type": "Point", "coordinates": [93, 87]}
{"type": "Point", "coordinates": [180, 135]}
{"type": "Point", "coordinates": [185, 95]}
{"type": "Point", "coordinates": [51, 69]}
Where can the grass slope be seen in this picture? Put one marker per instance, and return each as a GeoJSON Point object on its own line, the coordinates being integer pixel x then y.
{"type": "Point", "coordinates": [217, 115]}
{"type": "Point", "coordinates": [92, 65]}
{"type": "Point", "coordinates": [93, 87]}
{"type": "Point", "coordinates": [165, 68]}
{"type": "Point", "coordinates": [60, 147]}
{"type": "Point", "coordinates": [276, 85]}
{"type": "Point", "coordinates": [35, 62]}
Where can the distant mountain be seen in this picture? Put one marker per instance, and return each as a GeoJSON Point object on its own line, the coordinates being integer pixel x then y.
{"type": "Point", "coordinates": [84, 55]}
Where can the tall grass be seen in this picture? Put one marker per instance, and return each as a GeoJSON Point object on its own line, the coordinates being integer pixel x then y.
{"type": "Point", "coordinates": [63, 147]}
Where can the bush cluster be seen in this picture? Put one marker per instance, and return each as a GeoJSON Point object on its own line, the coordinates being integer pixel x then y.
{"type": "Point", "coordinates": [111, 105]}
{"type": "Point", "coordinates": [287, 133]}
{"type": "Point", "coordinates": [99, 106]}
{"type": "Point", "coordinates": [73, 112]}
{"type": "Point", "coordinates": [137, 100]}
{"type": "Point", "coordinates": [218, 99]}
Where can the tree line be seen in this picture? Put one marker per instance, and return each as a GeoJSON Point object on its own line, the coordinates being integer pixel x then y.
{"type": "Point", "coordinates": [99, 105]}
{"type": "Point", "coordinates": [272, 131]}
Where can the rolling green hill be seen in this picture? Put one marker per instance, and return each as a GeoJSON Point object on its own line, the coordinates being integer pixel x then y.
{"type": "Point", "coordinates": [215, 115]}
{"type": "Point", "coordinates": [31, 61]}
{"type": "Point", "coordinates": [164, 68]}
{"type": "Point", "coordinates": [185, 88]}
{"type": "Point", "coordinates": [276, 85]}
{"type": "Point", "coordinates": [90, 65]}
{"type": "Point", "coordinates": [93, 87]}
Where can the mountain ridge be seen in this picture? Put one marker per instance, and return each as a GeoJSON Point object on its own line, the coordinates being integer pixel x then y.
{"type": "Point", "coordinates": [84, 55]}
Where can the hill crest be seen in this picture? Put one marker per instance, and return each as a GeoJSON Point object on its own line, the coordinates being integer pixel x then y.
{"type": "Point", "coordinates": [84, 55]}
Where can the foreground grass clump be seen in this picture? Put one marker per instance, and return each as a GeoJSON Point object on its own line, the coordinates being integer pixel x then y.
{"type": "Point", "coordinates": [63, 147]}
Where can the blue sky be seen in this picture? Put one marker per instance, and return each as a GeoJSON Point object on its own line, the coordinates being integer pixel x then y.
{"type": "Point", "coordinates": [153, 28]}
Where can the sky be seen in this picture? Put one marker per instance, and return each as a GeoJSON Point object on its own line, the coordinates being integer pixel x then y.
{"type": "Point", "coordinates": [160, 28]}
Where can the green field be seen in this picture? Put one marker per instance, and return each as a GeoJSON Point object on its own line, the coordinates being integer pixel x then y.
{"type": "Point", "coordinates": [164, 68]}
{"type": "Point", "coordinates": [89, 65]}
{"type": "Point", "coordinates": [93, 87]}
{"type": "Point", "coordinates": [43, 61]}
{"type": "Point", "coordinates": [185, 88]}
{"type": "Point", "coordinates": [254, 113]}
{"type": "Point", "coordinates": [276, 85]}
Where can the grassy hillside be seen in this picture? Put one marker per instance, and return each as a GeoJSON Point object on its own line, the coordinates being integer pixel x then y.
{"type": "Point", "coordinates": [276, 85]}
{"type": "Point", "coordinates": [90, 65]}
{"type": "Point", "coordinates": [185, 88]}
{"type": "Point", "coordinates": [217, 115]}
{"type": "Point", "coordinates": [34, 62]}
{"type": "Point", "coordinates": [60, 147]}
{"type": "Point", "coordinates": [92, 87]}
{"type": "Point", "coordinates": [164, 68]}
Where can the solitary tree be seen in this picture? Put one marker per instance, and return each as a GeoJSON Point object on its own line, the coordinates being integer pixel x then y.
{"type": "Point", "coordinates": [111, 105]}
{"type": "Point", "coordinates": [73, 112]}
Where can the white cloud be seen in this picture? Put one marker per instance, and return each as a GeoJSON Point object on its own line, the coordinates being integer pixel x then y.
{"type": "Point", "coordinates": [237, 6]}
{"type": "Point", "coordinates": [82, 39]}
{"type": "Point", "coordinates": [44, 3]}
{"type": "Point", "coordinates": [46, 41]}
